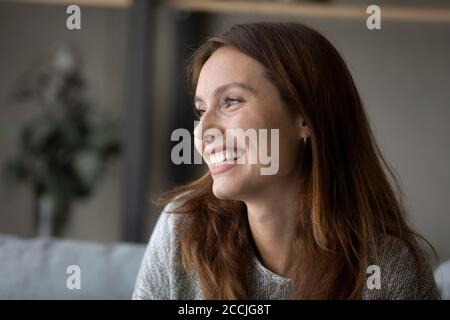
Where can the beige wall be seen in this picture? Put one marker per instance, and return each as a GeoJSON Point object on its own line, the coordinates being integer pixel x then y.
{"type": "Point", "coordinates": [27, 31]}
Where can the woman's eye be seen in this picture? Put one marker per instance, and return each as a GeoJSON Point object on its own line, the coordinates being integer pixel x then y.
{"type": "Point", "coordinates": [199, 112]}
{"type": "Point", "coordinates": [230, 101]}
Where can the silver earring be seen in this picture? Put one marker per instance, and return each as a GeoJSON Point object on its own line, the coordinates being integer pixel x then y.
{"type": "Point", "coordinates": [305, 139]}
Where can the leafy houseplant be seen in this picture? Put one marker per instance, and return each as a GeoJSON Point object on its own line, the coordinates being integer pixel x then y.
{"type": "Point", "coordinates": [62, 152]}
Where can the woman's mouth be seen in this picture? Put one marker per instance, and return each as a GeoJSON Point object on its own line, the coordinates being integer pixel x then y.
{"type": "Point", "coordinates": [224, 160]}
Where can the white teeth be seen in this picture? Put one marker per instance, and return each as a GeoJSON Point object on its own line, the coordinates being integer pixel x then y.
{"type": "Point", "coordinates": [225, 156]}
{"type": "Point", "coordinates": [217, 158]}
{"type": "Point", "coordinates": [229, 155]}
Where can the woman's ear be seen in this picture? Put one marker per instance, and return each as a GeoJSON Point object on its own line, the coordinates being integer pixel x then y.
{"type": "Point", "coordinates": [303, 128]}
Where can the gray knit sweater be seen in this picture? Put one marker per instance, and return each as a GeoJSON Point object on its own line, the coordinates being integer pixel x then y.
{"type": "Point", "coordinates": [161, 277]}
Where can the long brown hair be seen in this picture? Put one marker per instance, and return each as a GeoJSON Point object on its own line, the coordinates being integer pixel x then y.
{"type": "Point", "coordinates": [347, 197]}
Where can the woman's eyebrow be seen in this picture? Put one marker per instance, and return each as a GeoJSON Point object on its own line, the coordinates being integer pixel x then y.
{"type": "Point", "coordinates": [227, 86]}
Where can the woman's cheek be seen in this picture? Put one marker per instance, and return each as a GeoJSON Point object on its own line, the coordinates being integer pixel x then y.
{"type": "Point", "coordinates": [198, 144]}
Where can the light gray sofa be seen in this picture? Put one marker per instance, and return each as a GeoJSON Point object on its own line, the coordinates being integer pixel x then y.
{"type": "Point", "coordinates": [37, 268]}
{"type": "Point", "coordinates": [442, 276]}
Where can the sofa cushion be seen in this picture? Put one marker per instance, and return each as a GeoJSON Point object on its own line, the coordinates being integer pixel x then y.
{"type": "Point", "coordinates": [442, 276]}
{"type": "Point", "coordinates": [37, 268]}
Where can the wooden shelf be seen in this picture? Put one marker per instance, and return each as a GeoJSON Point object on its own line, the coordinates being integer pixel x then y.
{"type": "Point", "coordinates": [274, 8]}
{"type": "Point", "coordinates": [311, 9]}
{"type": "Point", "coordinates": [90, 3]}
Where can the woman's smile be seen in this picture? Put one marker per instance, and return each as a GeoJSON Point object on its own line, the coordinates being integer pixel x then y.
{"type": "Point", "coordinates": [224, 160]}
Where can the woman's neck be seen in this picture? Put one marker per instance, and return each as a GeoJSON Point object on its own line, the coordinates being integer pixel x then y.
{"type": "Point", "coordinates": [272, 219]}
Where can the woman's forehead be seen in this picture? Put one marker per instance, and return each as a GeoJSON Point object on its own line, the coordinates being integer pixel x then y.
{"type": "Point", "coordinates": [228, 65]}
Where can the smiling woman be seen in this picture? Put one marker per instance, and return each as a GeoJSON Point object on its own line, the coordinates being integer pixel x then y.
{"type": "Point", "coordinates": [312, 229]}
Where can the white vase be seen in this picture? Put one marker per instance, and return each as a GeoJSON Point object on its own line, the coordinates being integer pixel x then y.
{"type": "Point", "coordinates": [45, 210]}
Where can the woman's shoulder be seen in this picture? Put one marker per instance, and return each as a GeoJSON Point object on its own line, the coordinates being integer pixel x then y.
{"type": "Point", "coordinates": [160, 275]}
{"type": "Point", "coordinates": [166, 230]}
{"type": "Point", "coordinates": [404, 269]}
{"type": "Point", "coordinates": [392, 249]}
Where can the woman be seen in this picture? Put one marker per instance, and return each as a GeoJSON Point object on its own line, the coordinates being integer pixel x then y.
{"type": "Point", "coordinates": [312, 229]}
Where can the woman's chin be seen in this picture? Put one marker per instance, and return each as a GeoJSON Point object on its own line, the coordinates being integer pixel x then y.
{"type": "Point", "coordinates": [232, 185]}
{"type": "Point", "coordinates": [225, 190]}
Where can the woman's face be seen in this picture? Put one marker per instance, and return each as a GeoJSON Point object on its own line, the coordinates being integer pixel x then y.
{"type": "Point", "coordinates": [233, 93]}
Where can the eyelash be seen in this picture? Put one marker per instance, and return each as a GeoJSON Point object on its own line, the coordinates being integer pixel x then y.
{"type": "Point", "coordinates": [228, 102]}
{"type": "Point", "coordinates": [231, 99]}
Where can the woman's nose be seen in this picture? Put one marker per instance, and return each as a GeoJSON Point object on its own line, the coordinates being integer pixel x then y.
{"type": "Point", "coordinates": [207, 128]}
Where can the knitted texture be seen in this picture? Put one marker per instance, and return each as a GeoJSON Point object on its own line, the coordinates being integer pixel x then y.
{"type": "Point", "coordinates": [162, 277]}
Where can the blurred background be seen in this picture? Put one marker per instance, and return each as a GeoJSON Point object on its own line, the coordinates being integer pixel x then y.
{"type": "Point", "coordinates": [86, 115]}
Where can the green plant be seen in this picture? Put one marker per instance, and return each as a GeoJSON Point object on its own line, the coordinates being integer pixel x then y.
{"type": "Point", "coordinates": [63, 151]}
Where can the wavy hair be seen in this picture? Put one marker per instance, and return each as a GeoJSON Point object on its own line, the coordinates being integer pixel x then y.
{"type": "Point", "coordinates": [350, 195]}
